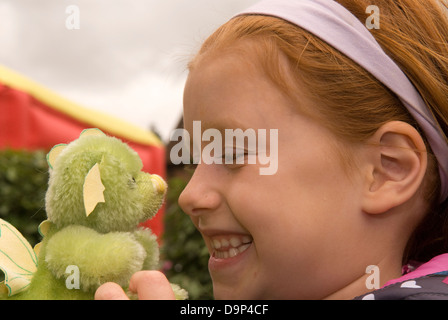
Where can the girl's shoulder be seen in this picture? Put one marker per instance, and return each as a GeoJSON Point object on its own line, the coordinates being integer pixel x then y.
{"type": "Point", "coordinates": [427, 282]}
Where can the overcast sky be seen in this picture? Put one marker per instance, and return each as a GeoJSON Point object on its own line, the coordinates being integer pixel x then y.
{"type": "Point", "coordinates": [127, 58]}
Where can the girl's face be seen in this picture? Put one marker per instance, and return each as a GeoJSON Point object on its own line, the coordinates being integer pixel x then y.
{"type": "Point", "coordinates": [290, 235]}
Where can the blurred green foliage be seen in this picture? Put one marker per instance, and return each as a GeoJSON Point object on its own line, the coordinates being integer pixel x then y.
{"type": "Point", "coordinates": [24, 181]}
{"type": "Point", "coordinates": [184, 254]}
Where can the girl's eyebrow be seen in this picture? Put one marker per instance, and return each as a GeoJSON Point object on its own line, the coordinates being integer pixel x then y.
{"type": "Point", "coordinates": [223, 124]}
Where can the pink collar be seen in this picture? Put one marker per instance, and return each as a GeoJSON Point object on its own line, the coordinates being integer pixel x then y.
{"type": "Point", "coordinates": [436, 264]}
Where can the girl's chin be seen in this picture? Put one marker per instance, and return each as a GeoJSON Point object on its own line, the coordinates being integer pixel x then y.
{"type": "Point", "coordinates": [230, 273]}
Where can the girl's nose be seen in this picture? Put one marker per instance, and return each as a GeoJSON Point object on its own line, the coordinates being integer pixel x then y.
{"type": "Point", "coordinates": [201, 193]}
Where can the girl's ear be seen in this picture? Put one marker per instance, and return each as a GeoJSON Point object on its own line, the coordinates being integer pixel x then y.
{"type": "Point", "coordinates": [396, 167]}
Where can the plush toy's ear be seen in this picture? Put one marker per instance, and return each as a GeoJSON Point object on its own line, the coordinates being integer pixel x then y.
{"type": "Point", "coordinates": [93, 189]}
{"type": "Point", "coordinates": [54, 153]}
{"type": "Point", "coordinates": [92, 132]}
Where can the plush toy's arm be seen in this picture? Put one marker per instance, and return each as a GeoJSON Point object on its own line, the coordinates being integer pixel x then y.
{"type": "Point", "coordinates": [149, 241]}
{"type": "Point", "coordinates": [99, 257]}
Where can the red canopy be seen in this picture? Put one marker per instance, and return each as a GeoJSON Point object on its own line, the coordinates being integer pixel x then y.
{"type": "Point", "coordinates": [33, 117]}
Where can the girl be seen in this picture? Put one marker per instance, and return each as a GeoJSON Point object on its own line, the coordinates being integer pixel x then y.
{"type": "Point", "coordinates": [361, 188]}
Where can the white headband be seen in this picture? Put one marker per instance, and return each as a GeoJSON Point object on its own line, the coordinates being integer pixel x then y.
{"type": "Point", "coordinates": [337, 26]}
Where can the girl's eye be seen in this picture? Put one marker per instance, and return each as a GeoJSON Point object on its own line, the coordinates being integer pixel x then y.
{"type": "Point", "coordinates": [132, 182]}
{"type": "Point", "coordinates": [234, 156]}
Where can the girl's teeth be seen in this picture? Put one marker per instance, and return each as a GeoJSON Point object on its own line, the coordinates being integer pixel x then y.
{"type": "Point", "coordinates": [233, 252]}
{"type": "Point", "coordinates": [224, 243]}
{"type": "Point", "coordinates": [235, 242]}
{"type": "Point", "coordinates": [228, 248]}
{"type": "Point", "coordinates": [216, 244]}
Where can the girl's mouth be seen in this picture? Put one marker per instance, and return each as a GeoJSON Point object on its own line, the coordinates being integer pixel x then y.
{"type": "Point", "coordinates": [230, 246]}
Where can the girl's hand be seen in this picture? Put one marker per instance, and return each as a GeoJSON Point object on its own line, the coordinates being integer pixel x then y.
{"type": "Point", "coordinates": [146, 285]}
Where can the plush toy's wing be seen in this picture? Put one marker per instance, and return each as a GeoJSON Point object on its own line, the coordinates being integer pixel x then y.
{"type": "Point", "coordinates": [43, 230]}
{"type": "Point", "coordinates": [17, 259]}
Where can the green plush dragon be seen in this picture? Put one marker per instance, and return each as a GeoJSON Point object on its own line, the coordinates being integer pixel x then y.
{"type": "Point", "coordinates": [96, 199]}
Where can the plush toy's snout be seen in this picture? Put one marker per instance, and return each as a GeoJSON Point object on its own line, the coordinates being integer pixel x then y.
{"type": "Point", "coordinates": [158, 183]}
{"type": "Point", "coordinates": [152, 188]}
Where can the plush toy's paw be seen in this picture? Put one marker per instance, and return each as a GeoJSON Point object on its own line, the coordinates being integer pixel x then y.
{"type": "Point", "coordinates": [99, 257]}
{"type": "Point", "coordinates": [149, 241]}
{"type": "Point", "coordinates": [179, 293]}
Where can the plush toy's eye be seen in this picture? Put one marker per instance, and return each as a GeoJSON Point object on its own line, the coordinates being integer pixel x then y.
{"type": "Point", "coordinates": [132, 183]}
